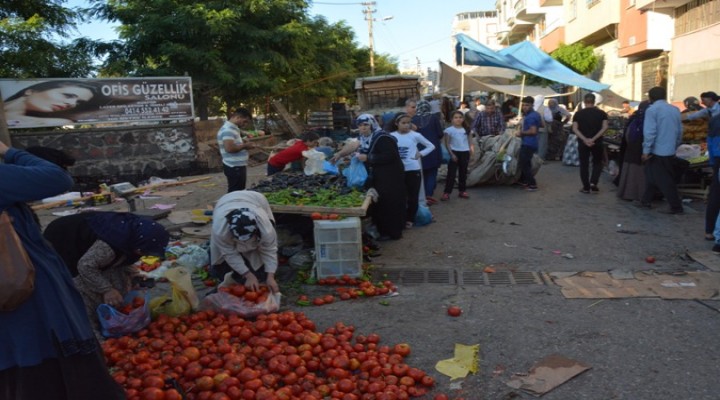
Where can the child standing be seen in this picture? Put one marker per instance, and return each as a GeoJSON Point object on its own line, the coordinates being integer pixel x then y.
{"type": "Point", "coordinates": [407, 142]}
{"type": "Point", "coordinates": [457, 141]}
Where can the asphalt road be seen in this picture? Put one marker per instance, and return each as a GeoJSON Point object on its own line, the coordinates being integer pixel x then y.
{"type": "Point", "coordinates": [638, 348]}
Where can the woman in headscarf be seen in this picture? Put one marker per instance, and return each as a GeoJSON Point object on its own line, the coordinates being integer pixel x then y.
{"type": "Point", "coordinates": [632, 177]}
{"type": "Point", "coordinates": [243, 242]}
{"type": "Point", "coordinates": [386, 173]}
{"type": "Point", "coordinates": [556, 130]}
{"type": "Point", "coordinates": [47, 346]}
{"type": "Point", "coordinates": [430, 126]}
{"type": "Point", "coordinates": [100, 248]}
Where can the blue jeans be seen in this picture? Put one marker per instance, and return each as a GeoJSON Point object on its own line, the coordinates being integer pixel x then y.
{"type": "Point", "coordinates": [236, 177]}
{"type": "Point", "coordinates": [525, 163]}
{"type": "Point", "coordinates": [430, 180]}
{"type": "Point", "coordinates": [273, 170]}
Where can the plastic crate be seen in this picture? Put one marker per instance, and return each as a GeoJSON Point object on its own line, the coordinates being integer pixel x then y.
{"type": "Point", "coordinates": [338, 248]}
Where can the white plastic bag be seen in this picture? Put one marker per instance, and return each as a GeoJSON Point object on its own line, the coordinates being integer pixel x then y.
{"type": "Point", "coordinates": [688, 151]}
{"type": "Point", "coordinates": [314, 162]}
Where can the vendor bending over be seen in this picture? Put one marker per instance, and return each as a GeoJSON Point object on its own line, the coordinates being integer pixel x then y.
{"type": "Point", "coordinates": [243, 243]}
{"type": "Point", "coordinates": [277, 163]}
{"type": "Point", "coordinates": [100, 248]}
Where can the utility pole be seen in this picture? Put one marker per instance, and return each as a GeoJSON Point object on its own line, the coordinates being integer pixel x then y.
{"type": "Point", "coordinates": [369, 11]}
{"type": "Point", "coordinates": [4, 132]}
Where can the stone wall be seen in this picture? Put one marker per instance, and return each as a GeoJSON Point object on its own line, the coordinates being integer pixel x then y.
{"type": "Point", "coordinates": [136, 153]}
{"type": "Point", "coordinates": [122, 154]}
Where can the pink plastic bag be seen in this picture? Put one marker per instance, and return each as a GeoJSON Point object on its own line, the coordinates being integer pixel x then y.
{"type": "Point", "coordinates": [227, 303]}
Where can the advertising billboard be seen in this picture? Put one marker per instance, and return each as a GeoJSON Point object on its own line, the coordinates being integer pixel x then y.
{"type": "Point", "coordinates": [33, 103]}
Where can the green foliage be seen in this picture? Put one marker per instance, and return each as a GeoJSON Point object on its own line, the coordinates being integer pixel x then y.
{"type": "Point", "coordinates": [31, 41]}
{"type": "Point", "coordinates": [577, 56]}
{"type": "Point", "coordinates": [238, 53]}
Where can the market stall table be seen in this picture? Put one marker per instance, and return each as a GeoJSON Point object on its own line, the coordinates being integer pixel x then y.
{"type": "Point", "coordinates": [309, 210]}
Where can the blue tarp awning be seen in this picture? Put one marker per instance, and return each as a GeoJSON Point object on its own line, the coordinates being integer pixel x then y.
{"type": "Point", "coordinates": [523, 57]}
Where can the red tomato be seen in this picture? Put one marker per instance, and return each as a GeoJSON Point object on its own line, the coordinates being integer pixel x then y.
{"type": "Point", "coordinates": [152, 393]}
{"type": "Point", "coordinates": [454, 311]}
{"type": "Point", "coordinates": [402, 349]}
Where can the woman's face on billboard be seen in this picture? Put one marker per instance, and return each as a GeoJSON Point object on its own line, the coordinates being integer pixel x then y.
{"type": "Point", "coordinates": [56, 99]}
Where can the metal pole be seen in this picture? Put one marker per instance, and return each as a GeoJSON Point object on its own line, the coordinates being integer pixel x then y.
{"type": "Point", "coordinates": [371, 43]}
{"type": "Point", "coordinates": [4, 132]}
{"type": "Point", "coordinates": [462, 74]}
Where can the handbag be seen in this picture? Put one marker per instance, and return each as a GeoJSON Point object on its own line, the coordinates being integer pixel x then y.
{"type": "Point", "coordinates": [17, 273]}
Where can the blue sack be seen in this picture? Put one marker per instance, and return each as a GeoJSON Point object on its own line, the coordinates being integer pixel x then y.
{"type": "Point", "coordinates": [114, 323]}
{"type": "Point", "coordinates": [423, 216]}
{"type": "Point", "coordinates": [330, 168]}
{"type": "Point", "coordinates": [356, 174]}
{"type": "Point", "coordinates": [445, 154]}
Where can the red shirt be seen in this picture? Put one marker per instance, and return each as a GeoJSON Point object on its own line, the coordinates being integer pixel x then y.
{"type": "Point", "coordinates": [291, 154]}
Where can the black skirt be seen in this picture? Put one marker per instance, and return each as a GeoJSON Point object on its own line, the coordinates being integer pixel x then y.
{"type": "Point", "coordinates": [78, 377]}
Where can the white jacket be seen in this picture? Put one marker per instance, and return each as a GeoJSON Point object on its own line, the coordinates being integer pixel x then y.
{"type": "Point", "coordinates": [224, 247]}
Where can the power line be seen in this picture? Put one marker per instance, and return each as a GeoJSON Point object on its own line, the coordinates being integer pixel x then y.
{"type": "Point", "coordinates": [337, 4]}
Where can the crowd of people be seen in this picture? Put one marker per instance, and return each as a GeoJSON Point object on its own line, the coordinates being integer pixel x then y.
{"type": "Point", "coordinates": [84, 260]}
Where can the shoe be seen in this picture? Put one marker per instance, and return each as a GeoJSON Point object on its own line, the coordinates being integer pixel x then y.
{"type": "Point", "coordinates": [642, 205]}
{"type": "Point", "coordinates": [431, 200]}
{"type": "Point", "coordinates": [408, 225]}
{"type": "Point", "coordinates": [445, 197]}
{"type": "Point", "coordinates": [532, 188]}
{"type": "Point", "coordinates": [709, 236]}
{"type": "Point", "coordinates": [463, 195]}
{"type": "Point", "coordinates": [671, 211]}
{"type": "Point", "coordinates": [716, 249]}
{"type": "Point", "coordinates": [594, 189]}
{"type": "Point", "coordinates": [584, 190]}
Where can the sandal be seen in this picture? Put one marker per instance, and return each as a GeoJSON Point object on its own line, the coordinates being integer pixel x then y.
{"type": "Point", "coordinates": [408, 225]}
{"type": "Point", "coordinates": [709, 237]}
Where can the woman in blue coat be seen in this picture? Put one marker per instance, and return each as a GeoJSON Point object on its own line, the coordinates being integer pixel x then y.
{"type": "Point", "coordinates": [430, 126]}
{"type": "Point", "coordinates": [47, 347]}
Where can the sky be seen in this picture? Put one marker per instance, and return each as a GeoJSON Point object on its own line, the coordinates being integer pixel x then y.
{"type": "Point", "coordinates": [414, 32]}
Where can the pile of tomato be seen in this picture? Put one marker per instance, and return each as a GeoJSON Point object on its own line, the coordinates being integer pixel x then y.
{"type": "Point", "coordinates": [253, 296]}
{"type": "Point", "coordinates": [136, 302]}
{"type": "Point", "coordinates": [348, 288]}
{"type": "Point", "coordinates": [211, 356]}
{"type": "Point", "coordinates": [317, 216]}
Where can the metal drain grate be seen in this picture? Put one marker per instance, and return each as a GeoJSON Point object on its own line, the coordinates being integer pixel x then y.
{"type": "Point", "coordinates": [455, 277]}
{"type": "Point", "coordinates": [416, 276]}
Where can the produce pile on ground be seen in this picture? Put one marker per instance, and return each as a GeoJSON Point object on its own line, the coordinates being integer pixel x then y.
{"type": "Point", "coordinates": [277, 356]}
{"type": "Point", "coordinates": [315, 190]}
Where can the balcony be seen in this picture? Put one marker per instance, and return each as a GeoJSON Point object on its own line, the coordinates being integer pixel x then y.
{"type": "Point", "coordinates": [649, 5]}
{"type": "Point", "coordinates": [529, 10]}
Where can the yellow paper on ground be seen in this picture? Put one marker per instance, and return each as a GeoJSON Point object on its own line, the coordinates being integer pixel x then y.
{"type": "Point", "coordinates": [149, 260]}
{"type": "Point", "coordinates": [465, 361]}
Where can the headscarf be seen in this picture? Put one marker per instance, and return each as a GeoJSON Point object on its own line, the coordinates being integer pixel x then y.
{"type": "Point", "coordinates": [423, 108]}
{"type": "Point", "coordinates": [129, 233]}
{"type": "Point", "coordinates": [374, 127]}
{"type": "Point", "coordinates": [242, 223]}
{"type": "Point", "coordinates": [539, 100]}
{"type": "Point", "coordinates": [553, 106]}
{"type": "Point", "coordinates": [636, 121]}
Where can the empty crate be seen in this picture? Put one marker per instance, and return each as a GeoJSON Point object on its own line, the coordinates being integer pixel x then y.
{"type": "Point", "coordinates": [338, 248]}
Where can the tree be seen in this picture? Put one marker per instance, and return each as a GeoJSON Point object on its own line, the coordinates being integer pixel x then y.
{"type": "Point", "coordinates": [579, 57]}
{"type": "Point", "coordinates": [33, 41]}
{"type": "Point", "coordinates": [237, 53]}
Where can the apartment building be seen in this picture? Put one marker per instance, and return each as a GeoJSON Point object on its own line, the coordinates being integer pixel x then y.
{"type": "Point", "coordinates": [641, 43]}
{"type": "Point", "coordinates": [479, 25]}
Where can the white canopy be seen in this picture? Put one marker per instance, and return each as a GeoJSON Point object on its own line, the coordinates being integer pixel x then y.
{"type": "Point", "coordinates": [487, 79]}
